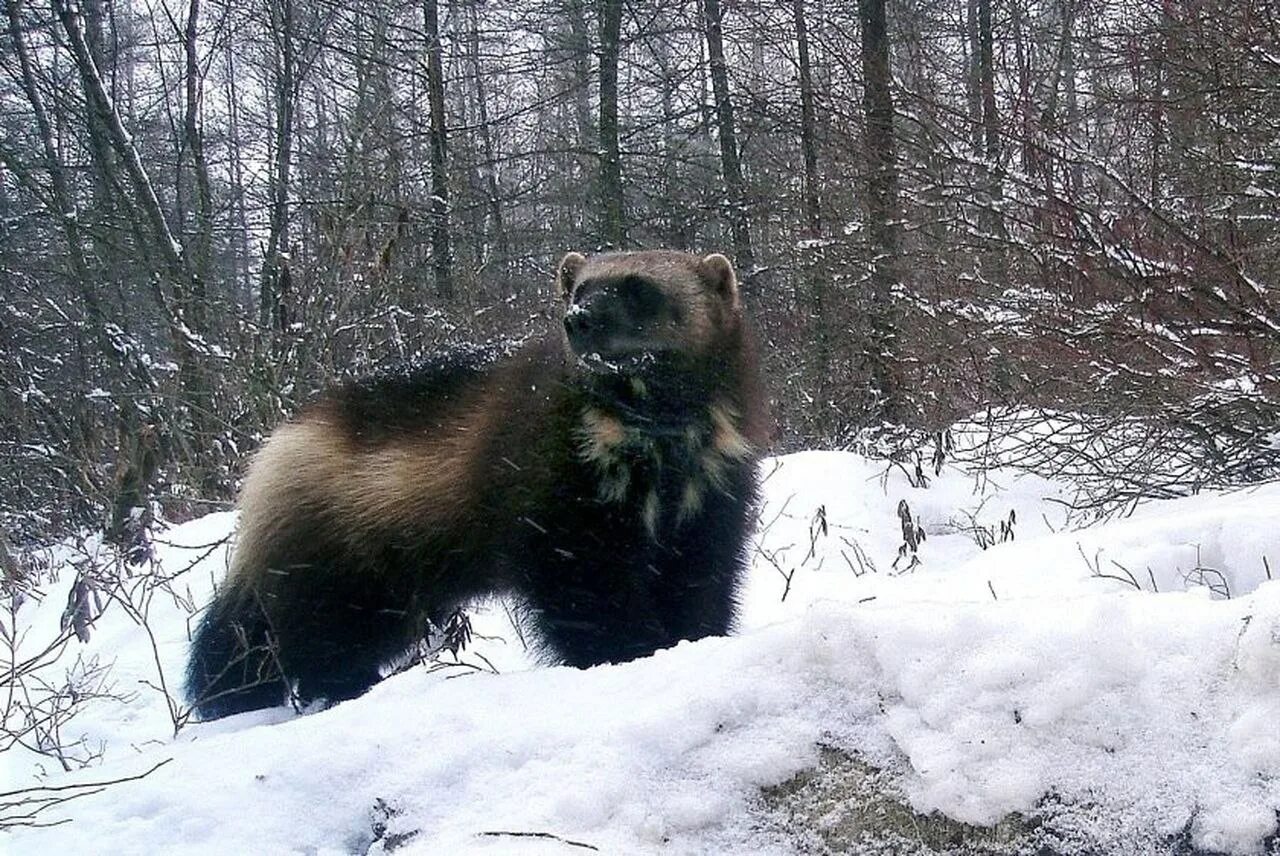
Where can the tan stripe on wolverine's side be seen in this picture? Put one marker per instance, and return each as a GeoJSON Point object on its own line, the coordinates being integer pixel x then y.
{"type": "Point", "coordinates": [309, 468]}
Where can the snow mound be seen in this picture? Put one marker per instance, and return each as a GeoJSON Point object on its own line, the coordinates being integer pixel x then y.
{"type": "Point", "coordinates": [981, 680]}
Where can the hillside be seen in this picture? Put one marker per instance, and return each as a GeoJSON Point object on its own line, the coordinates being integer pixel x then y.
{"type": "Point", "coordinates": [1116, 686]}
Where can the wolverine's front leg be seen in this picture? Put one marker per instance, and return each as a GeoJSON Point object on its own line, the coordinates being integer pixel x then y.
{"type": "Point", "coordinates": [587, 616]}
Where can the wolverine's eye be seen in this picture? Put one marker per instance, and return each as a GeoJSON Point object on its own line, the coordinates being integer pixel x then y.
{"type": "Point", "coordinates": [645, 300]}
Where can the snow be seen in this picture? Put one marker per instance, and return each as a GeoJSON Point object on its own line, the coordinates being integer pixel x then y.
{"type": "Point", "coordinates": [1130, 668]}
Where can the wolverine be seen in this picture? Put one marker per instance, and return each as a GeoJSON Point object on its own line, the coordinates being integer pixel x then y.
{"type": "Point", "coordinates": [603, 475]}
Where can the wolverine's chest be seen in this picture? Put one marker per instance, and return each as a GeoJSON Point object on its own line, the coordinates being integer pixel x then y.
{"type": "Point", "coordinates": [659, 476]}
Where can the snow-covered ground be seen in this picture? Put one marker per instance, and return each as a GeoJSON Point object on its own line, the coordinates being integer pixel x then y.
{"type": "Point", "coordinates": [1131, 670]}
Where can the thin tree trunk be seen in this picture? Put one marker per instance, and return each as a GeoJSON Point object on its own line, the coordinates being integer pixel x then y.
{"type": "Point", "coordinates": [613, 217]}
{"type": "Point", "coordinates": [1158, 118]}
{"type": "Point", "coordinates": [808, 131]}
{"type": "Point", "coordinates": [987, 82]}
{"type": "Point", "coordinates": [498, 232]}
{"type": "Point", "coordinates": [1076, 170]}
{"type": "Point", "coordinates": [990, 120]}
{"type": "Point", "coordinates": [1022, 52]}
{"type": "Point", "coordinates": [1073, 177]}
{"type": "Point", "coordinates": [441, 250]}
{"type": "Point", "coordinates": [239, 210]}
{"type": "Point", "coordinates": [11, 573]}
{"type": "Point", "coordinates": [729, 163]}
{"type": "Point", "coordinates": [106, 196]}
{"type": "Point", "coordinates": [671, 213]}
{"type": "Point", "coordinates": [813, 262]}
{"type": "Point", "coordinates": [584, 166]}
{"type": "Point", "coordinates": [274, 305]}
{"type": "Point", "coordinates": [973, 75]}
{"type": "Point", "coordinates": [200, 256]}
{"type": "Point", "coordinates": [880, 353]}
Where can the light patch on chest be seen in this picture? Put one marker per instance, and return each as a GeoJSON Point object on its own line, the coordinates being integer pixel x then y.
{"type": "Point", "coordinates": [726, 439]}
{"type": "Point", "coordinates": [727, 446]}
{"type": "Point", "coordinates": [690, 499]}
{"type": "Point", "coordinates": [649, 513]}
{"type": "Point", "coordinates": [708, 448]}
{"type": "Point", "coordinates": [601, 438]}
{"type": "Point", "coordinates": [601, 435]}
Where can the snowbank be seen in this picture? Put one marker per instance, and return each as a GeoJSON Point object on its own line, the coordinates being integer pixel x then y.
{"type": "Point", "coordinates": [1105, 666]}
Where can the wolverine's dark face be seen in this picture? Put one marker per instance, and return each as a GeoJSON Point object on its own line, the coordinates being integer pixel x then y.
{"type": "Point", "coordinates": [623, 311]}
{"type": "Point", "coordinates": [621, 319]}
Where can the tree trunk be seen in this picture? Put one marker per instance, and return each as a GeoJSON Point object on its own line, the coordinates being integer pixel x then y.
{"type": "Point", "coordinates": [808, 130]}
{"type": "Point", "coordinates": [730, 166]}
{"type": "Point", "coordinates": [497, 232]}
{"type": "Point", "coordinates": [274, 297]}
{"type": "Point", "coordinates": [817, 277]}
{"type": "Point", "coordinates": [441, 250]}
{"type": "Point", "coordinates": [987, 82]}
{"type": "Point", "coordinates": [239, 214]}
{"type": "Point", "coordinates": [200, 254]}
{"type": "Point", "coordinates": [583, 167]}
{"type": "Point", "coordinates": [101, 106]}
{"type": "Point", "coordinates": [613, 218]}
{"type": "Point", "coordinates": [880, 352]}
{"type": "Point", "coordinates": [671, 211]}
{"type": "Point", "coordinates": [11, 574]}
{"type": "Point", "coordinates": [990, 120]}
{"type": "Point", "coordinates": [973, 75]}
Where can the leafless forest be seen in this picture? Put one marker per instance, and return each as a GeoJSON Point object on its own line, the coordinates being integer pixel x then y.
{"type": "Point", "coordinates": [938, 207]}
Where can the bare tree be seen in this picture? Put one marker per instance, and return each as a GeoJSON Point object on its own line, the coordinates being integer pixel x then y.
{"type": "Point", "coordinates": [208, 211]}
{"type": "Point", "coordinates": [613, 216]}
{"type": "Point", "coordinates": [276, 287]}
{"type": "Point", "coordinates": [879, 145]}
{"type": "Point", "coordinates": [808, 124]}
{"type": "Point", "coordinates": [441, 251]}
{"type": "Point", "coordinates": [990, 118]}
{"type": "Point", "coordinates": [735, 202]}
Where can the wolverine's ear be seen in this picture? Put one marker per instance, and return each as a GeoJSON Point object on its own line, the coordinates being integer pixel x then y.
{"type": "Point", "coordinates": [567, 273]}
{"type": "Point", "coordinates": [718, 272]}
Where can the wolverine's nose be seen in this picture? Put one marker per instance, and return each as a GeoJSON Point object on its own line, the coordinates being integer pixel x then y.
{"type": "Point", "coordinates": [586, 333]}
{"type": "Point", "coordinates": [577, 321]}
{"type": "Point", "coordinates": [588, 324]}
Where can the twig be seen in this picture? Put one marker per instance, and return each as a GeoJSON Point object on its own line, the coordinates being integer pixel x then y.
{"type": "Point", "coordinates": [39, 798]}
{"type": "Point", "coordinates": [544, 835]}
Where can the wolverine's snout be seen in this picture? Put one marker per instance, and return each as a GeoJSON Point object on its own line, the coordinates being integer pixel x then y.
{"type": "Point", "coordinates": [597, 325]}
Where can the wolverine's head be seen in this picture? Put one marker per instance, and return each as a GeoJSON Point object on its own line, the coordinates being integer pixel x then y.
{"type": "Point", "coordinates": [623, 311]}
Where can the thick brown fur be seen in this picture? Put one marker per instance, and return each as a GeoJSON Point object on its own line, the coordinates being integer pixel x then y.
{"type": "Point", "coordinates": [604, 475]}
